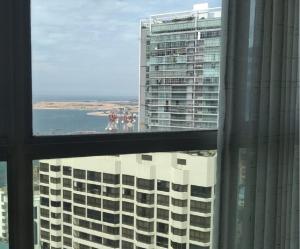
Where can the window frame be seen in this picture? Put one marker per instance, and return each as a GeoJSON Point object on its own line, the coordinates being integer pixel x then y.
{"type": "Point", "coordinates": [19, 147]}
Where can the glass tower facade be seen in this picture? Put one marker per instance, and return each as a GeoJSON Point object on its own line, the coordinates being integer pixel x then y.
{"type": "Point", "coordinates": [179, 70]}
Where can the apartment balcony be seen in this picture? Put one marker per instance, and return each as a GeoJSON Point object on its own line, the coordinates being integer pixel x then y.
{"type": "Point", "coordinates": [179, 239]}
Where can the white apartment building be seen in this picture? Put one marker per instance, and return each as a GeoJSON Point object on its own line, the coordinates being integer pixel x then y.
{"type": "Point", "coordinates": [156, 200]}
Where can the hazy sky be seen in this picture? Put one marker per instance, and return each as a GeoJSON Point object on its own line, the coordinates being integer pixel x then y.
{"type": "Point", "coordinates": [91, 47]}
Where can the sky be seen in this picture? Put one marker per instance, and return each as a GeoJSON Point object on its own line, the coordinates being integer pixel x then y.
{"type": "Point", "coordinates": [91, 47]}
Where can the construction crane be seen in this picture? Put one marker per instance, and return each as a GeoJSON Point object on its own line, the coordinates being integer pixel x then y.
{"type": "Point", "coordinates": [121, 121]}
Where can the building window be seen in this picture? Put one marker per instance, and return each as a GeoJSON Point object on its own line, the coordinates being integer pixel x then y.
{"type": "Point", "coordinates": [192, 246]}
{"type": "Point", "coordinates": [93, 202]}
{"type": "Point", "coordinates": [44, 190]}
{"type": "Point", "coordinates": [145, 184]}
{"type": "Point", "coordinates": [162, 214]}
{"type": "Point", "coordinates": [127, 233]}
{"type": "Point", "coordinates": [181, 161]}
{"type": "Point", "coordinates": [79, 211]}
{"type": "Point", "coordinates": [163, 185]}
{"type": "Point", "coordinates": [128, 180]}
{"type": "Point", "coordinates": [176, 245]}
{"type": "Point", "coordinates": [163, 200]}
{"type": "Point", "coordinates": [67, 183]}
{"type": "Point", "coordinates": [111, 179]}
{"type": "Point", "coordinates": [199, 221]}
{"type": "Point", "coordinates": [67, 194]}
{"type": "Point", "coordinates": [162, 228]}
{"type": "Point", "coordinates": [55, 215]}
{"type": "Point", "coordinates": [55, 227]}
{"type": "Point", "coordinates": [179, 187]}
{"type": "Point", "coordinates": [202, 207]}
{"type": "Point", "coordinates": [55, 168]}
{"type": "Point", "coordinates": [67, 230]}
{"type": "Point", "coordinates": [94, 176]}
{"type": "Point", "coordinates": [111, 192]}
{"type": "Point", "coordinates": [79, 186]}
{"type": "Point", "coordinates": [146, 157]}
{"type": "Point", "coordinates": [127, 220]}
{"type": "Point", "coordinates": [97, 227]}
{"type": "Point", "coordinates": [178, 232]}
{"type": "Point", "coordinates": [111, 205]}
{"type": "Point", "coordinates": [93, 214]}
{"type": "Point", "coordinates": [128, 193]}
{"type": "Point", "coordinates": [79, 199]}
{"type": "Point", "coordinates": [111, 230]}
{"type": "Point", "coordinates": [202, 192]}
{"type": "Point", "coordinates": [94, 189]}
{"type": "Point", "coordinates": [44, 201]}
{"type": "Point", "coordinates": [146, 239]}
{"type": "Point", "coordinates": [79, 174]}
{"type": "Point", "coordinates": [67, 241]}
{"type": "Point", "coordinates": [44, 212]}
{"type": "Point", "coordinates": [179, 217]}
{"type": "Point", "coordinates": [67, 206]}
{"type": "Point", "coordinates": [144, 225]}
{"type": "Point", "coordinates": [55, 180]}
{"type": "Point", "coordinates": [55, 192]}
{"type": "Point", "coordinates": [111, 243]}
{"type": "Point", "coordinates": [111, 218]}
{"type": "Point", "coordinates": [145, 212]}
{"type": "Point", "coordinates": [127, 245]}
{"type": "Point", "coordinates": [67, 218]}
{"type": "Point", "coordinates": [162, 241]}
{"type": "Point", "coordinates": [199, 236]}
{"type": "Point", "coordinates": [45, 235]}
{"type": "Point", "coordinates": [67, 171]}
{"type": "Point", "coordinates": [127, 207]}
{"type": "Point", "coordinates": [145, 198]}
{"type": "Point", "coordinates": [96, 239]}
{"type": "Point", "coordinates": [179, 203]}
{"type": "Point", "coordinates": [44, 178]}
{"type": "Point", "coordinates": [45, 224]}
{"type": "Point", "coordinates": [44, 167]}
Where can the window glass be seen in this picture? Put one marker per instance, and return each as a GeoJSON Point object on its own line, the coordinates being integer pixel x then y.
{"type": "Point", "coordinates": [132, 202]}
{"type": "Point", "coordinates": [151, 67]}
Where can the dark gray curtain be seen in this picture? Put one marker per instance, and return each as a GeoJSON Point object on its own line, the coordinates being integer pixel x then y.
{"type": "Point", "coordinates": [258, 141]}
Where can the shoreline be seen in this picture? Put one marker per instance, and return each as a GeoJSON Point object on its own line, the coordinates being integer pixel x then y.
{"type": "Point", "coordinates": [93, 108]}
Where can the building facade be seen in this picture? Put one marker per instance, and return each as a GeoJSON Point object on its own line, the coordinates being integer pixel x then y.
{"type": "Point", "coordinates": [158, 200]}
{"type": "Point", "coordinates": [3, 214]}
{"type": "Point", "coordinates": [179, 70]}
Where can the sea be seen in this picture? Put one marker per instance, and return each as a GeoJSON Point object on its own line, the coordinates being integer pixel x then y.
{"type": "Point", "coordinates": [3, 245]}
{"type": "Point", "coordinates": [62, 122]}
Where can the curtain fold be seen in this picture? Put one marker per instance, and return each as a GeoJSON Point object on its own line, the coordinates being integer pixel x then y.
{"type": "Point", "coordinates": [258, 142]}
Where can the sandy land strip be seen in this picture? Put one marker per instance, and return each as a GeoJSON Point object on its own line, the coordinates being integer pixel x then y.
{"type": "Point", "coordinates": [95, 108]}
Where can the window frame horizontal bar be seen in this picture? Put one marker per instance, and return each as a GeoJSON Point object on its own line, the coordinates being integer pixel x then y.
{"type": "Point", "coordinates": [47, 147]}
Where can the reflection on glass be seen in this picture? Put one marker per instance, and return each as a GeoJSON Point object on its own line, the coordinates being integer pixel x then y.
{"type": "Point", "coordinates": [3, 207]}
{"type": "Point", "coordinates": [122, 66]}
{"type": "Point", "coordinates": [124, 201]}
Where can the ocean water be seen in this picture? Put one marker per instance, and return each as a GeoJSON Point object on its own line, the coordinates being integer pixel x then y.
{"type": "Point", "coordinates": [3, 245]}
{"type": "Point", "coordinates": [59, 122]}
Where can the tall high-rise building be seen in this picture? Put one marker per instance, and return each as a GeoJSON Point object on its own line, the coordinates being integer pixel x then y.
{"type": "Point", "coordinates": [179, 70]}
{"type": "Point", "coordinates": [3, 214]}
{"type": "Point", "coordinates": [154, 200]}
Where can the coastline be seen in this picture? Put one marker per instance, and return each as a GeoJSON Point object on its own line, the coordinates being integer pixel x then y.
{"type": "Point", "coordinates": [93, 108]}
